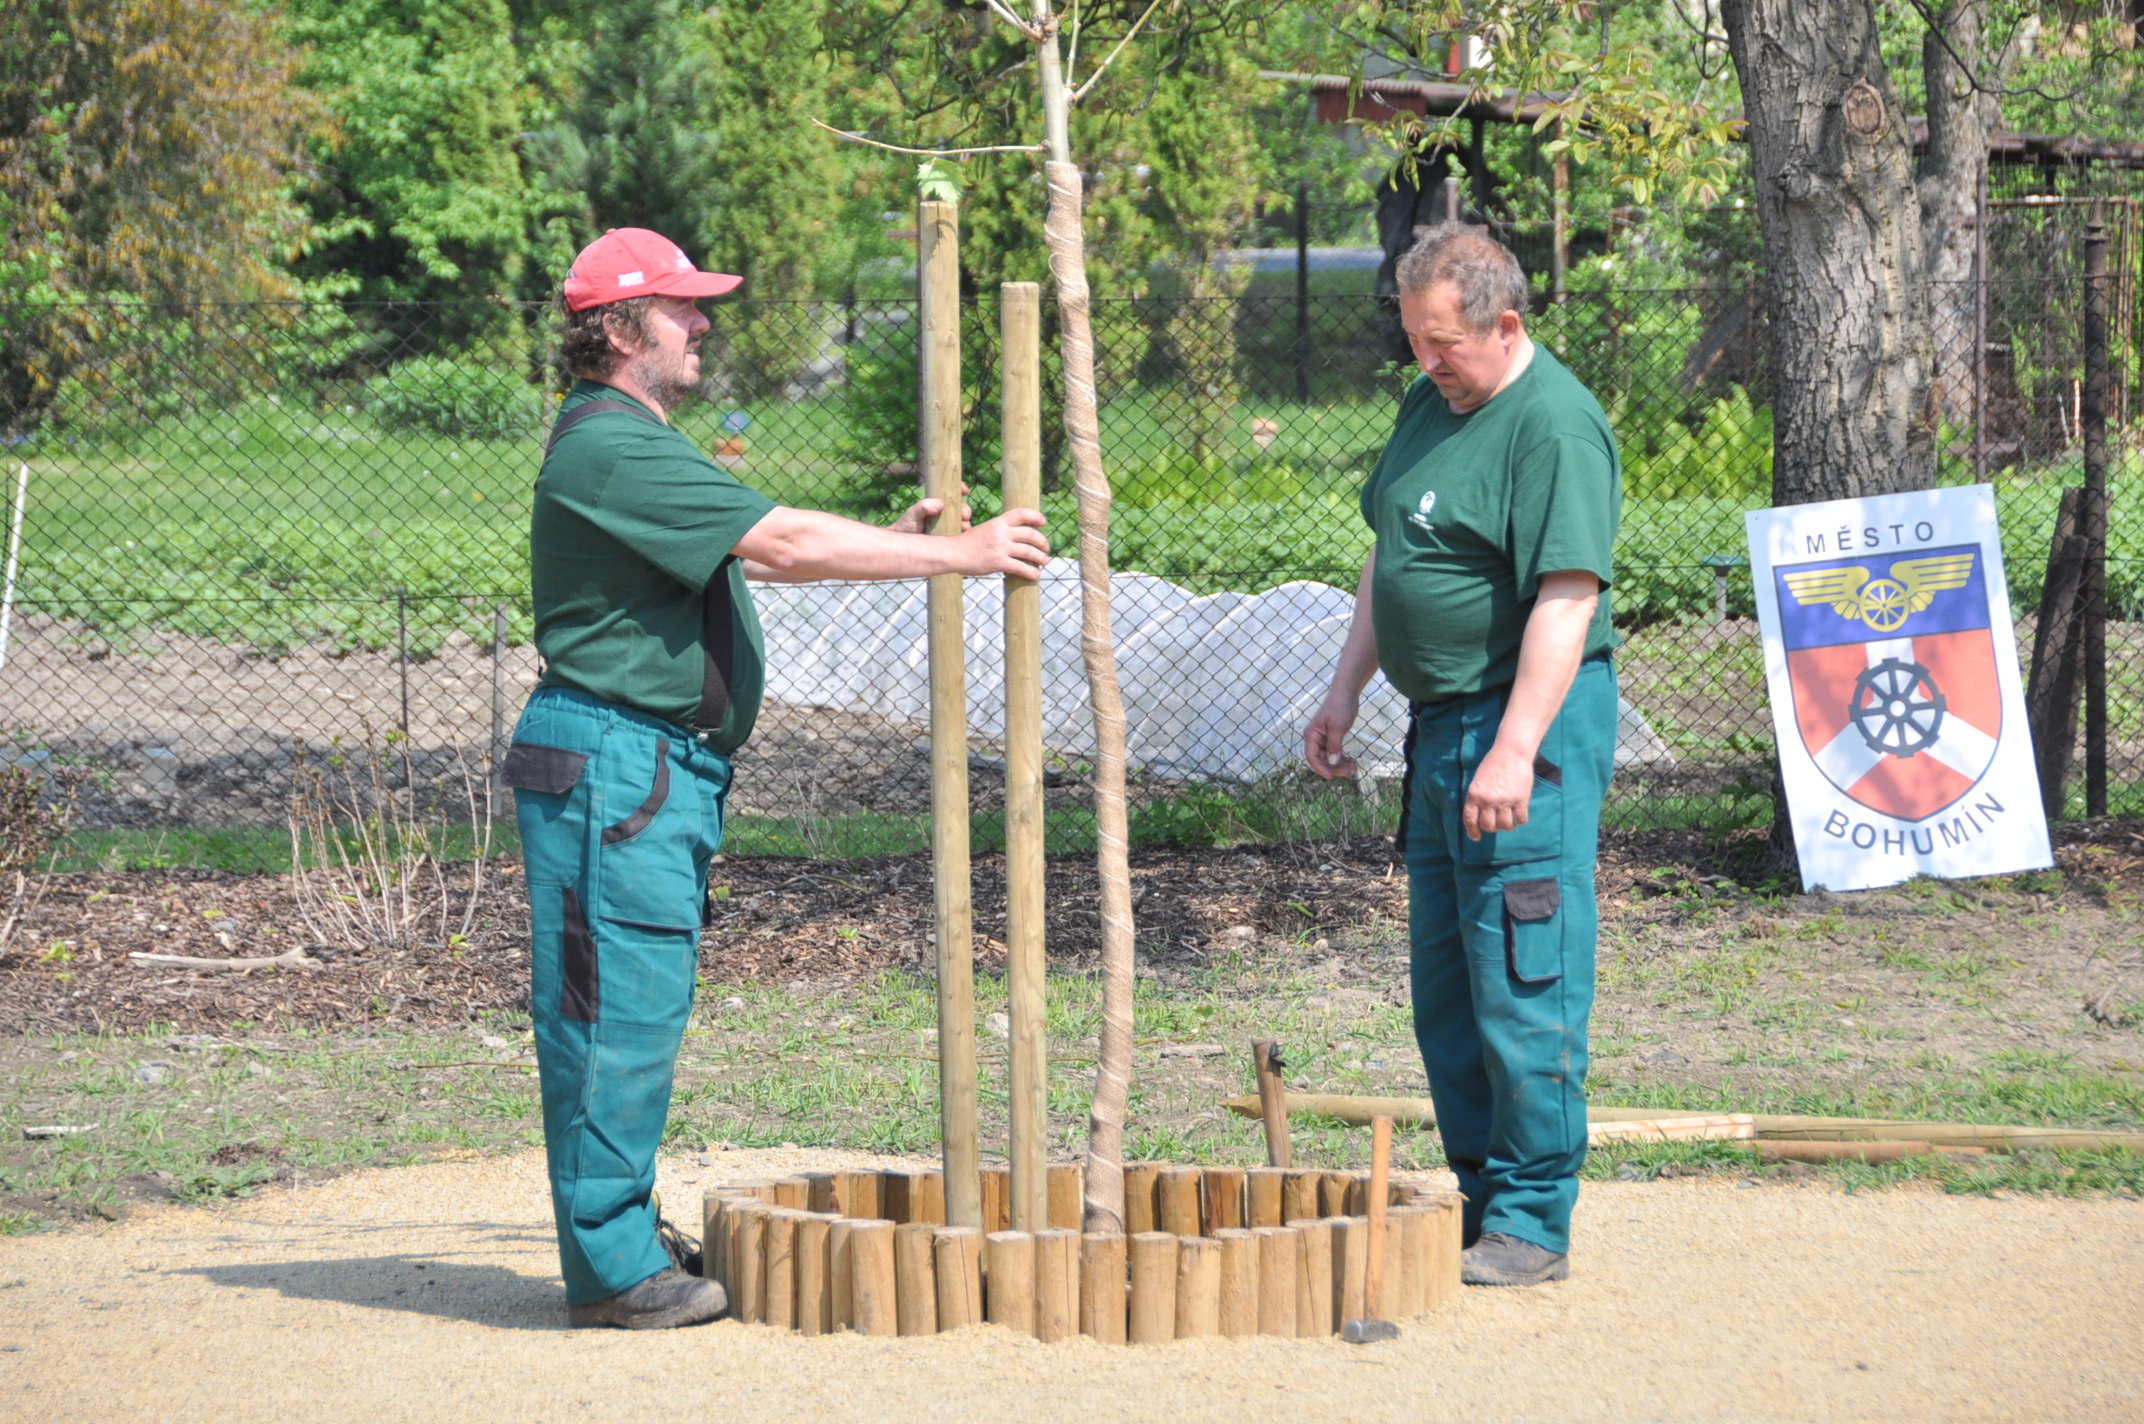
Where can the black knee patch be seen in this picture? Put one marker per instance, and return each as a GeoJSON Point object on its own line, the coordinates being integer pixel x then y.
{"type": "Point", "coordinates": [580, 993]}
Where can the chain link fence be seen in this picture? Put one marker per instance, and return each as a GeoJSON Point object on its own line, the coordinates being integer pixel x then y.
{"type": "Point", "coordinates": [253, 532]}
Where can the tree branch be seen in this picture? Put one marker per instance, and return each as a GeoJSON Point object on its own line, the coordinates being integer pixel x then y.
{"type": "Point", "coordinates": [1081, 92]}
{"type": "Point", "coordinates": [930, 152]}
{"type": "Point", "coordinates": [997, 7]}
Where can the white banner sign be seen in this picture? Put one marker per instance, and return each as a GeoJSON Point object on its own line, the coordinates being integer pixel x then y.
{"type": "Point", "coordinates": [1892, 666]}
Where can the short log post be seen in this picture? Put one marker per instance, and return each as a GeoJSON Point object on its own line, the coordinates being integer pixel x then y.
{"type": "Point", "coordinates": [1176, 1202]}
{"type": "Point", "coordinates": [821, 1194]}
{"type": "Point", "coordinates": [1141, 1184]}
{"type": "Point", "coordinates": [858, 1195]}
{"type": "Point", "coordinates": [748, 1257]}
{"type": "Point", "coordinates": [781, 1280]}
{"type": "Point", "coordinates": [1198, 1287]}
{"type": "Point", "coordinates": [1351, 1259]}
{"type": "Point", "coordinates": [1266, 1187]}
{"type": "Point", "coordinates": [814, 1295]}
{"type": "Point", "coordinates": [915, 1278]}
{"type": "Point", "coordinates": [1057, 1291]}
{"type": "Point", "coordinates": [1224, 1199]}
{"type": "Point", "coordinates": [1239, 1281]}
{"type": "Point", "coordinates": [1299, 1196]}
{"type": "Point", "coordinates": [1445, 1234]}
{"type": "Point", "coordinates": [997, 1199]}
{"type": "Point", "coordinates": [896, 1197]}
{"type": "Point", "coordinates": [927, 1199]}
{"type": "Point", "coordinates": [1067, 1196]}
{"type": "Point", "coordinates": [1278, 1248]}
{"type": "Point", "coordinates": [793, 1193]}
{"type": "Point", "coordinates": [1272, 1102]}
{"type": "Point", "coordinates": [841, 1275]}
{"type": "Point", "coordinates": [873, 1294]}
{"type": "Point", "coordinates": [1314, 1277]}
{"type": "Point", "coordinates": [1104, 1287]}
{"type": "Point", "coordinates": [713, 1230]}
{"type": "Point", "coordinates": [960, 1277]}
{"type": "Point", "coordinates": [1010, 1279]}
{"type": "Point", "coordinates": [1152, 1317]}
{"type": "Point", "coordinates": [1410, 1224]}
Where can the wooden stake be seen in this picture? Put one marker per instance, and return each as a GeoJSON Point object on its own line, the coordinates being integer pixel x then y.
{"type": "Point", "coordinates": [1020, 326]}
{"type": "Point", "coordinates": [1239, 1281]}
{"type": "Point", "coordinates": [1410, 1223]}
{"type": "Point", "coordinates": [1057, 1295]}
{"type": "Point", "coordinates": [1358, 1194]}
{"type": "Point", "coordinates": [1273, 1101]}
{"type": "Point", "coordinates": [1010, 1279]}
{"type": "Point", "coordinates": [927, 1199]}
{"type": "Point", "coordinates": [858, 1195]}
{"type": "Point", "coordinates": [1152, 1317]}
{"type": "Point", "coordinates": [997, 1199]}
{"type": "Point", "coordinates": [896, 1197]}
{"type": "Point", "coordinates": [841, 1275]}
{"type": "Point", "coordinates": [1198, 1287]}
{"type": "Point", "coordinates": [1351, 1259]}
{"type": "Point", "coordinates": [1299, 1196]}
{"type": "Point", "coordinates": [915, 1278]}
{"type": "Point", "coordinates": [1314, 1277]}
{"type": "Point", "coordinates": [1224, 1199]}
{"type": "Point", "coordinates": [938, 378]}
{"type": "Point", "coordinates": [821, 1194]}
{"type": "Point", "coordinates": [1446, 1232]}
{"type": "Point", "coordinates": [960, 1277]}
{"type": "Point", "coordinates": [873, 1295]}
{"type": "Point", "coordinates": [712, 1231]}
{"type": "Point", "coordinates": [1378, 1193]}
{"type": "Point", "coordinates": [749, 1256]}
{"type": "Point", "coordinates": [1333, 1188]}
{"type": "Point", "coordinates": [793, 1193]}
{"type": "Point", "coordinates": [781, 1278]}
{"type": "Point", "coordinates": [814, 1293]}
{"type": "Point", "coordinates": [1104, 1287]}
{"type": "Point", "coordinates": [1176, 1202]}
{"type": "Point", "coordinates": [1278, 1247]}
{"type": "Point", "coordinates": [1266, 1188]}
{"type": "Point", "coordinates": [1067, 1191]}
{"type": "Point", "coordinates": [1140, 1187]}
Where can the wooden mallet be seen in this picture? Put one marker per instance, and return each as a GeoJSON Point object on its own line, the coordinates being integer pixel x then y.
{"type": "Point", "coordinates": [1371, 1328]}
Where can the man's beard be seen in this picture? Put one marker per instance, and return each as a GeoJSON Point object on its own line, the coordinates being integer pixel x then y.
{"type": "Point", "coordinates": [667, 376]}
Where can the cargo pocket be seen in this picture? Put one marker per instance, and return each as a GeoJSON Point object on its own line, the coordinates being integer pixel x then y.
{"type": "Point", "coordinates": [645, 861]}
{"type": "Point", "coordinates": [551, 770]}
{"type": "Point", "coordinates": [1533, 930]}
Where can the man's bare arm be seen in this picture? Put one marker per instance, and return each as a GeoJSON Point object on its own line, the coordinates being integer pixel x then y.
{"type": "Point", "coordinates": [1549, 654]}
{"type": "Point", "coordinates": [1324, 738]}
{"type": "Point", "coordinates": [804, 546]}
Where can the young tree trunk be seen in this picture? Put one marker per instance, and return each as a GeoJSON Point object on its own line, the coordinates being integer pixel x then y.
{"type": "Point", "coordinates": [1068, 266]}
{"type": "Point", "coordinates": [1846, 272]}
{"type": "Point", "coordinates": [1960, 116]}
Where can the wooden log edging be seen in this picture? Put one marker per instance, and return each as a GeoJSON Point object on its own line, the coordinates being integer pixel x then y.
{"type": "Point", "coordinates": [1265, 1252]}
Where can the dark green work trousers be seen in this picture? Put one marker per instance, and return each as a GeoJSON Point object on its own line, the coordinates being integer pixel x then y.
{"type": "Point", "coordinates": [620, 814]}
{"type": "Point", "coordinates": [1503, 934]}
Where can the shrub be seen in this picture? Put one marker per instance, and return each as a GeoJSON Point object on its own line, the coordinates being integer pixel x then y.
{"type": "Point", "coordinates": [454, 398]}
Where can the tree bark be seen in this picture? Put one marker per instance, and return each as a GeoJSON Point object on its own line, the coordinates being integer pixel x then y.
{"type": "Point", "coordinates": [1846, 272]}
{"type": "Point", "coordinates": [1960, 116]}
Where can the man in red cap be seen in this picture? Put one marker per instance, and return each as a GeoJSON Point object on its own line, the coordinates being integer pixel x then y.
{"type": "Point", "coordinates": [652, 670]}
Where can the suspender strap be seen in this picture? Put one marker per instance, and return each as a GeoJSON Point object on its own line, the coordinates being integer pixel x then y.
{"type": "Point", "coordinates": [581, 412]}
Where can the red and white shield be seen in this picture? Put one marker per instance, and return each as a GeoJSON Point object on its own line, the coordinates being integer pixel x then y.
{"type": "Point", "coordinates": [1904, 726]}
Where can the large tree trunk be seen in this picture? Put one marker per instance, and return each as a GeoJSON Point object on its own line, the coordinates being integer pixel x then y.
{"type": "Point", "coordinates": [1953, 165]}
{"type": "Point", "coordinates": [1846, 272]}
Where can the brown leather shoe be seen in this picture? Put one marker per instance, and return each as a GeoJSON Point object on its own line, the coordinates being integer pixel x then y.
{"type": "Point", "coordinates": [663, 1301]}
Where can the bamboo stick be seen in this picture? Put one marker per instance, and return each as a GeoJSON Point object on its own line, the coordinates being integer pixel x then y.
{"type": "Point", "coordinates": [1010, 1279]}
{"type": "Point", "coordinates": [1351, 1259]}
{"type": "Point", "coordinates": [1314, 1277]}
{"type": "Point", "coordinates": [960, 1277]}
{"type": "Point", "coordinates": [1278, 1247]}
{"type": "Point", "coordinates": [874, 1296]}
{"type": "Point", "coordinates": [1020, 325]}
{"type": "Point", "coordinates": [780, 1288]}
{"type": "Point", "coordinates": [814, 1292]}
{"type": "Point", "coordinates": [749, 1253]}
{"type": "Point", "coordinates": [1198, 1287]}
{"type": "Point", "coordinates": [1224, 1198]}
{"type": "Point", "coordinates": [1239, 1281]}
{"type": "Point", "coordinates": [938, 381]}
{"type": "Point", "coordinates": [841, 1274]}
{"type": "Point", "coordinates": [1299, 1196]}
{"type": "Point", "coordinates": [915, 1278]}
{"type": "Point", "coordinates": [1067, 1196]}
{"type": "Point", "coordinates": [1265, 1189]}
{"type": "Point", "coordinates": [1057, 1292]}
{"type": "Point", "coordinates": [1104, 1287]}
{"type": "Point", "coordinates": [1176, 1201]}
{"type": "Point", "coordinates": [1141, 1185]}
{"type": "Point", "coordinates": [1152, 1316]}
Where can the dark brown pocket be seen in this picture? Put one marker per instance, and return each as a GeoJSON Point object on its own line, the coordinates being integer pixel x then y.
{"type": "Point", "coordinates": [1548, 771]}
{"type": "Point", "coordinates": [551, 770]}
{"type": "Point", "coordinates": [580, 993]}
{"type": "Point", "coordinates": [1533, 930]}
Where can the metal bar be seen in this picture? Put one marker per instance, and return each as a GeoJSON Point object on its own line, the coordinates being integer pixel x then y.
{"type": "Point", "coordinates": [14, 556]}
{"type": "Point", "coordinates": [1980, 329]}
{"type": "Point", "coordinates": [938, 380]}
{"type": "Point", "coordinates": [1302, 292]}
{"type": "Point", "coordinates": [2094, 413]}
{"type": "Point", "coordinates": [498, 686]}
{"type": "Point", "coordinates": [402, 658]}
{"type": "Point", "coordinates": [1020, 326]}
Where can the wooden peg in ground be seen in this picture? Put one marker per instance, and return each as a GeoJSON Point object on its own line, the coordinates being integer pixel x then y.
{"type": "Point", "coordinates": [1370, 1327]}
{"type": "Point", "coordinates": [1273, 1101]}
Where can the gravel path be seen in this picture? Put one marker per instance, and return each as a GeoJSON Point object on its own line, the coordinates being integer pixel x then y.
{"type": "Point", "coordinates": [431, 1293]}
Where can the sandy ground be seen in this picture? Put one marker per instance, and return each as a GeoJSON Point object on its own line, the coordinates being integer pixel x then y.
{"type": "Point", "coordinates": [431, 1293]}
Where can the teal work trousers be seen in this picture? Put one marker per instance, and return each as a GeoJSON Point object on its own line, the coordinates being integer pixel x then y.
{"type": "Point", "coordinates": [1502, 933]}
{"type": "Point", "coordinates": [620, 814]}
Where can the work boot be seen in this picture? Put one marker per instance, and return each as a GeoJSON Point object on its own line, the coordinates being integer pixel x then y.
{"type": "Point", "coordinates": [663, 1301]}
{"type": "Point", "coordinates": [684, 1252]}
{"type": "Point", "coordinates": [1500, 1260]}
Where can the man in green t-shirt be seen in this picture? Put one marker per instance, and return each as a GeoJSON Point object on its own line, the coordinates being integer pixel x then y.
{"type": "Point", "coordinates": [639, 550]}
{"type": "Point", "coordinates": [1495, 508]}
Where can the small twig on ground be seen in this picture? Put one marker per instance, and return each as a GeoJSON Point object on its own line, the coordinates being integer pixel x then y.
{"type": "Point", "coordinates": [290, 959]}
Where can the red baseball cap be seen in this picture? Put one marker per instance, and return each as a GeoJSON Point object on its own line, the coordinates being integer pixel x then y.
{"type": "Point", "coordinates": [631, 262]}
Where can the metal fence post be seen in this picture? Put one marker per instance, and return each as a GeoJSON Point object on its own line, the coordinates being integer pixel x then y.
{"type": "Point", "coordinates": [1302, 292]}
{"type": "Point", "coordinates": [498, 686]}
{"type": "Point", "coordinates": [2094, 419]}
{"type": "Point", "coordinates": [402, 657]}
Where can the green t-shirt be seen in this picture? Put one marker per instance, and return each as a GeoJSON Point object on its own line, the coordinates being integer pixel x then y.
{"type": "Point", "coordinates": [1470, 510]}
{"type": "Point", "coordinates": [638, 598]}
